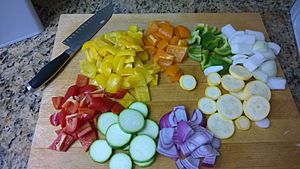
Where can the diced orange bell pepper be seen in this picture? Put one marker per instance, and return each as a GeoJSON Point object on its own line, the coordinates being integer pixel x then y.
{"type": "Point", "coordinates": [165, 31]}
{"type": "Point", "coordinates": [162, 44]}
{"type": "Point", "coordinates": [165, 62]}
{"type": "Point", "coordinates": [182, 32]}
{"type": "Point", "coordinates": [152, 27]}
{"type": "Point", "coordinates": [174, 40]}
{"type": "Point", "coordinates": [176, 77]}
{"type": "Point", "coordinates": [153, 39]}
{"type": "Point", "coordinates": [178, 51]}
{"type": "Point", "coordinates": [172, 70]}
{"type": "Point", "coordinates": [182, 42]}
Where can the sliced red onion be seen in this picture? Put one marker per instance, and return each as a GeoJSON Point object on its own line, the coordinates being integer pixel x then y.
{"type": "Point", "coordinates": [216, 143]}
{"type": "Point", "coordinates": [182, 132]}
{"type": "Point", "coordinates": [180, 113]}
{"type": "Point", "coordinates": [209, 161]}
{"type": "Point", "coordinates": [179, 164]}
{"type": "Point", "coordinates": [164, 121]}
{"type": "Point", "coordinates": [200, 138]}
{"type": "Point", "coordinates": [172, 119]}
{"type": "Point", "coordinates": [170, 152]}
{"type": "Point", "coordinates": [166, 136]}
{"type": "Point", "coordinates": [203, 151]}
{"type": "Point", "coordinates": [191, 163]}
{"type": "Point", "coordinates": [198, 118]}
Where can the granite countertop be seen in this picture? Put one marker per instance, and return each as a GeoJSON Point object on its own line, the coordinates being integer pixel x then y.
{"type": "Point", "coordinates": [19, 62]}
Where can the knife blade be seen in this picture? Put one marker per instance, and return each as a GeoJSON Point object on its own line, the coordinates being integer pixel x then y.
{"type": "Point", "coordinates": [76, 39]}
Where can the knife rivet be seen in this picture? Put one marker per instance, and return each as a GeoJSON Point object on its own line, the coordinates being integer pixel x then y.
{"type": "Point", "coordinates": [102, 22]}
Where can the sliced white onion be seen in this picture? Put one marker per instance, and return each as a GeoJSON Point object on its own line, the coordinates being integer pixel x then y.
{"type": "Point", "coordinates": [260, 75]}
{"type": "Point", "coordinates": [237, 33]}
{"type": "Point", "coordinates": [212, 69]}
{"type": "Point", "coordinates": [269, 67]}
{"type": "Point", "coordinates": [260, 46]}
{"type": "Point", "coordinates": [258, 35]}
{"type": "Point", "coordinates": [235, 57]}
{"type": "Point", "coordinates": [249, 39]}
{"type": "Point", "coordinates": [241, 48]}
{"type": "Point", "coordinates": [228, 30]}
{"type": "Point", "coordinates": [274, 47]}
{"type": "Point", "coordinates": [276, 83]}
{"type": "Point", "coordinates": [254, 61]}
{"type": "Point", "coordinates": [239, 61]}
{"type": "Point", "coordinates": [268, 54]}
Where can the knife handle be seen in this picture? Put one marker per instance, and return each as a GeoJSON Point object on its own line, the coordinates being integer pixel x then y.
{"type": "Point", "coordinates": [49, 70]}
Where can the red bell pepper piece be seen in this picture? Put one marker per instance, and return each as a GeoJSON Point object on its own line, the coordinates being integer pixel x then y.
{"type": "Point", "coordinates": [84, 129]}
{"type": "Point", "coordinates": [71, 105]}
{"type": "Point", "coordinates": [117, 108]}
{"type": "Point", "coordinates": [101, 104]}
{"type": "Point", "coordinates": [87, 114]}
{"type": "Point", "coordinates": [59, 131]}
{"type": "Point", "coordinates": [63, 121]}
{"type": "Point", "coordinates": [55, 118]}
{"type": "Point", "coordinates": [62, 142]}
{"type": "Point", "coordinates": [57, 102]}
{"type": "Point", "coordinates": [72, 123]}
{"type": "Point", "coordinates": [82, 80]}
{"type": "Point", "coordinates": [120, 94]}
{"type": "Point", "coordinates": [72, 91]}
{"type": "Point", "coordinates": [110, 95]}
{"type": "Point", "coordinates": [88, 139]}
{"type": "Point", "coordinates": [87, 89]}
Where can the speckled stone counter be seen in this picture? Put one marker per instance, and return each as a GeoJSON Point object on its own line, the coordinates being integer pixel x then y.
{"type": "Point", "coordinates": [19, 62]}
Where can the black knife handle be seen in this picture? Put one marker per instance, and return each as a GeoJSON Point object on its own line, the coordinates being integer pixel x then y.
{"type": "Point", "coordinates": [49, 71]}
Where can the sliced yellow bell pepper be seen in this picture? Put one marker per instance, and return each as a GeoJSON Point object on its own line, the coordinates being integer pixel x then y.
{"type": "Point", "coordinates": [136, 80]}
{"type": "Point", "coordinates": [114, 83]}
{"type": "Point", "coordinates": [87, 69]}
{"type": "Point", "coordinates": [101, 80]}
{"type": "Point", "coordinates": [127, 100]}
{"type": "Point", "coordinates": [143, 56]}
{"type": "Point", "coordinates": [107, 50]}
{"type": "Point", "coordinates": [118, 63]}
{"type": "Point", "coordinates": [138, 63]}
{"type": "Point", "coordinates": [127, 71]}
{"type": "Point", "coordinates": [132, 28]}
{"type": "Point", "coordinates": [106, 68]}
{"type": "Point", "coordinates": [142, 93]}
{"type": "Point", "coordinates": [147, 76]}
{"type": "Point", "coordinates": [154, 81]}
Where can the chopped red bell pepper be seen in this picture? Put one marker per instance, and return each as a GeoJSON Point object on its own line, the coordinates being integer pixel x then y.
{"type": "Point", "coordinates": [120, 94]}
{"type": "Point", "coordinates": [55, 118]}
{"type": "Point", "coordinates": [84, 129]}
{"type": "Point", "coordinates": [117, 108]}
{"type": "Point", "coordinates": [63, 121]}
{"type": "Point", "coordinates": [59, 131]}
{"type": "Point", "coordinates": [88, 139]}
{"type": "Point", "coordinates": [57, 102]}
{"type": "Point", "coordinates": [82, 80]}
{"type": "Point", "coordinates": [87, 89]}
{"type": "Point", "coordinates": [72, 124]}
{"type": "Point", "coordinates": [72, 91]}
{"type": "Point", "coordinates": [101, 104]}
{"type": "Point", "coordinates": [87, 114]}
{"type": "Point", "coordinates": [110, 95]}
{"type": "Point", "coordinates": [62, 142]}
{"type": "Point", "coordinates": [71, 105]}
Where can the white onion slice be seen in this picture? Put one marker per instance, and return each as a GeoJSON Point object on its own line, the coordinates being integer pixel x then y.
{"type": "Point", "coordinates": [254, 61]}
{"type": "Point", "coordinates": [276, 83]}
{"type": "Point", "coordinates": [212, 69]}
{"type": "Point", "coordinates": [228, 30]}
{"type": "Point", "coordinates": [258, 35]}
{"type": "Point", "coordinates": [275, 47]}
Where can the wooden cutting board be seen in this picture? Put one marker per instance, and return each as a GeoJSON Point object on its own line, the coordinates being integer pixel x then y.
{"type": "Point", "coordinates": [276, 147]}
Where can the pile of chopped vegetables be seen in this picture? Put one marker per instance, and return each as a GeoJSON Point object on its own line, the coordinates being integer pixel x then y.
{"type": "Point", "coordinates": [167, 45]}
{"type": "Point", "coordinates": [78, 110]}
{"type": "Point", "coordinates": [188, 136]}
{"type": "Point", "coordinates": [210, 48]}
{"type": "Point", "coordinates": [254, 53]}
{"type": "Point", "coordinates": [116, 60]}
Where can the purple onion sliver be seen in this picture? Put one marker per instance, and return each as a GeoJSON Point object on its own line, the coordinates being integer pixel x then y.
{"type": "Point", "coordinates": [164, 121]}
{"type": "Point", "coordinates": [193, 161]}
{"type": "Point", "coordinates": [182, 132]}
{"type": "Point", "coordinates": [180, 113]}
{"type": "Point", "coordinates": [179, 164]}
{"type": "Point", "coordinates": [209, 161]}
{"type": "Point", "coordinates": [197, 116]}
{"type": "Point", "coordinates": [216, 143]}
{"type": "Point", "coordinates": [184, 150]}
{"type": "Point", "coordinates": [171, 152]}
{"type": "Point", "coordinates": [172, 119]}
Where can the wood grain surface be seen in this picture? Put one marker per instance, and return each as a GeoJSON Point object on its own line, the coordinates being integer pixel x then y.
{"type": "Point", "coordinates": [276, 147]}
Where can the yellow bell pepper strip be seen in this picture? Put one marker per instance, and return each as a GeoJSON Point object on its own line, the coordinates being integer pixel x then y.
{"type": "Point", "coordinates": [138, 63]}
{"type": "Point", "coordinates": [154, 81]}
{"type": "Point", "coordinates": [118, 63]}
{"type": "Point", "coordinates": [136, 80]}
{"type": "Point", "coordinates": [127, 71]}
{"type": "Point", "coordinates": [101, 80]}
{"type": "Point", "coordinates": [126, 83]}
{"type": "Point", "coordinates": [143, 56]}
{"type": "Point", "coordinates": [106, 68]}
{"type": "Point", "coordinates": [109, 59]}
{"type": "Point", "coordinates": [142, 93]}
{"type": "Point", "coordinates": [127, 100]}
{"type": "Point", "coordinates": [106, 50]}
{"type": "Point", "coordinates": [128, 65]}
{"type": "Point", "coordinates": [113, 83]}
{"type": "Point", "coordinates": [147, 76]}
{"type": "Point", "coordinates": [130, 59]}
{"type": "Point", "coordinates": [152, 68]}
{"type": "Point", "coordinates": [87, 69]}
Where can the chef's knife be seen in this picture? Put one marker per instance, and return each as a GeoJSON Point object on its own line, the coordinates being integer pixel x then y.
{"type": "Point", "coordinates": [83, 33]}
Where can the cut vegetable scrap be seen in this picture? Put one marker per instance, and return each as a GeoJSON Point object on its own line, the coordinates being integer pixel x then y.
{"type": "Point", "coordinates": [212, 69]}
{"type": "Point", "coordinates": [276, 83]}
{"type": "Point", "coordinates": [229, 106]}
{"type": "Point", "coordinates": [207, 105]}
{"type": "Point", "coordinates": [242, 123]}
{"type": "Point", "coordinates": [232, 84]}
{"type": "Point", "coordinates": [264, 123]}
{"type": "Point", "coordinates": [187, 82]}
{"type": "Point", "coordinates": [256, 108]}
{"type": "Point", "coordinates": [213, 92]}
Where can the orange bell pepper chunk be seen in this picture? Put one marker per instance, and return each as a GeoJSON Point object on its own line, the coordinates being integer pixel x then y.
{"type": "Point", "coordinates": [153, 39]}
{"type": "Point", "coordinates": [182, 32]}
{"type": "Point", "coordinates": [164, 55]}
{"type": "Point", "coordinates": [151, 28]}
{"type": "Point", "coordinates": [162, 44]}
{"type": "Point", "coordinates": [174, 40]}
{"type": "Point", "coordinates": [172, 70]}
{"type": "Point", "coordinates": [182, 42]}
{"type": "Point", "coordinates": [165, 31]}
{"type": "Point", "coordinates": [176, 77]}
{"type": "Point", "coordinates": [161, 22]}
{"type": "Point", "coordinates": [165, 62]}
{"type": "Point", "coordinates": [178, 51]}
